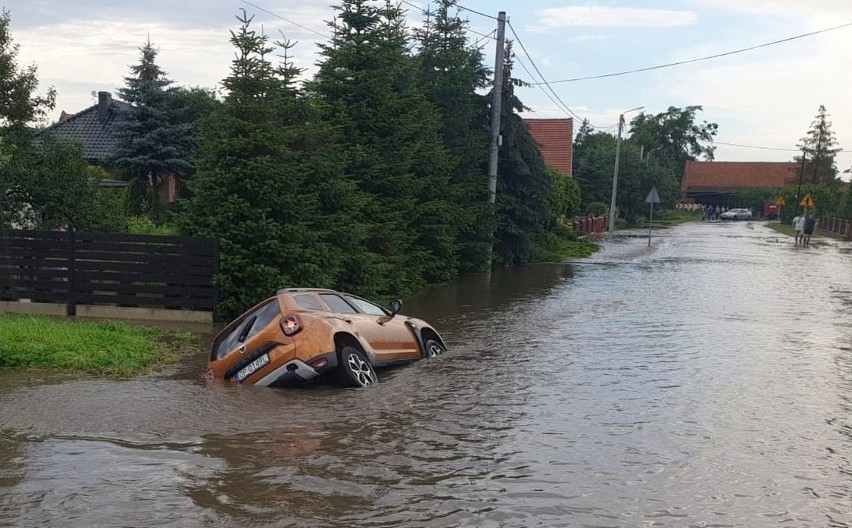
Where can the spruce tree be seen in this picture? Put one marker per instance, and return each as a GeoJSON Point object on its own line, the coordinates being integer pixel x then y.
{"type": "Point", "coordinates": [453, 74]}
{"type": "Point", "coordinates": [523, 186]}
{"type": "Point", "coordinates": [152, 142]}
{"type": "Point", "coordinates": [820, 146]}
{"type": "Point", "coordinates": [256, 187]}
{"type": "Point", "coordinates": [397, 170]}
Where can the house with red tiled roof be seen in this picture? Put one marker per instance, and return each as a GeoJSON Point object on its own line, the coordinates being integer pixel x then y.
{"type": "Point", "coordinates": [555, 138]}
{"type": "Point", "coordinates": [712, 182]}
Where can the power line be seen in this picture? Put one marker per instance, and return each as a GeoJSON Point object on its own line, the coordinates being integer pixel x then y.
{"type": "Point", "coordinates": [716, 56]}
{"type": "Point", "coordinates": [544, 81]}
{"type": "Point", "coordinates": [761, 147]}
{"type": "Point", "coordinates": [475, 12]}
{"type": "Point", "coordinates": [284, 19]}
{"type": "Point", "coordinates": [425, 12]}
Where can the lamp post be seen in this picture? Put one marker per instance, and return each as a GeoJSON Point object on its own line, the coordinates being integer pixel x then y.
{"type": "Point", "coordinates": [611, 226]}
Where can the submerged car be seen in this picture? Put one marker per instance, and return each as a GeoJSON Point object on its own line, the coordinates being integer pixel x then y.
{"type": "Point", "coordinates": [736, 214]}
{"type": "Point", "coordinates": [303, 334]}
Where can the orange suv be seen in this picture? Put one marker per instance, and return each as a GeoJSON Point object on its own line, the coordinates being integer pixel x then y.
{"type": "Point", "coordinates": [303, 333]}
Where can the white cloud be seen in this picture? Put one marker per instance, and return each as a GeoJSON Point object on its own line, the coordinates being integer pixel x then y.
{"type": "Point", "coordinates": [77, 57]}
{"type": "Point", "coordinates": [771, 99]}
{"type": "Point", "coordinates": [592, 15]}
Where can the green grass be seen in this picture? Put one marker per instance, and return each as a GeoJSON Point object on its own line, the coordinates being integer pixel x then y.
{"type": "Point", "coordinates": [787, 229]}
{"type": "Point", "coordinates": [557, 246]}
{"type": "Point", "coordinates": [104, 348]}
{"type": "Point", "coordinates": [676, 217]}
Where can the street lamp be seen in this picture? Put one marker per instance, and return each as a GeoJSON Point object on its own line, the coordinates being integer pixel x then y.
{"type": "Point", "coordinates": [611, 226]}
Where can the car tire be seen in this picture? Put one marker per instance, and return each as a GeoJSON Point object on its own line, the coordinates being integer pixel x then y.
{"type": "Point", "coordinates": [433, 348]}
{"type": "Point", "coordinates": [354, 369]}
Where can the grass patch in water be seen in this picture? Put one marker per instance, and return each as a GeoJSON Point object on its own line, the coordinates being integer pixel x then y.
{"type": "Point", "coordinates": [106, 348]}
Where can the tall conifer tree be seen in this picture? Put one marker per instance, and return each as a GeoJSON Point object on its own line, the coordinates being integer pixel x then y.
{"type": "Point", "coordinates": [256, 187]}
{"type": "Point", "coordinates": [152, 143]}
{"type": "Point", "coordinates": [401, 234]}
{"type": "Point", "coordinates": [452, 74]}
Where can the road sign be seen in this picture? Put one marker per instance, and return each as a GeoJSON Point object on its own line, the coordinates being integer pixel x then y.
{"type": "Point", "coordinates": [653, 197]}
{"type": "Point", "coordinates": [780, 201]}
{"type": "Point", "coordinates": [807, 201]}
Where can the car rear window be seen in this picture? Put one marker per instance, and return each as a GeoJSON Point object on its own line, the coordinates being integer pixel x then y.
{"type": "Point", "coordinates": [336, 303]}
{"type": "Point", "coordinates": [258, 319]}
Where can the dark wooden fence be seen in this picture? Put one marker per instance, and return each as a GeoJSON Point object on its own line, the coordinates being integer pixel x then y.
{"type": "Point", "coordinates": [74, 268]}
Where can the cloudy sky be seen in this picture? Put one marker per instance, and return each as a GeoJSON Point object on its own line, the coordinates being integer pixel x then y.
{"type": "Point", "coordinates": [762, 98]}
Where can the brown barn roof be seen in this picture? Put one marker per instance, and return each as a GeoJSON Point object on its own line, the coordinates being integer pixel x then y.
{"type": "Point", "coordinates": [556, 139]}
{"type": "Point", "coordinates": [736, 176]}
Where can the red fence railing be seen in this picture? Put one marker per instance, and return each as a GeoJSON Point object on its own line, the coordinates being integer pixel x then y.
{"type": "Point", "coordinates": [590, 224]}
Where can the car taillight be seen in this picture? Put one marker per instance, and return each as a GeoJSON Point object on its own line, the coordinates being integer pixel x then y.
{"type": "Point", "coordinates": [291, 324]}
{"type": "Point", "coordinates": [319, 362]}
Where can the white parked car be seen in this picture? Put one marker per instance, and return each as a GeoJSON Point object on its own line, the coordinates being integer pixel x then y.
{"type": "Point", "coordinates": [736, 214]}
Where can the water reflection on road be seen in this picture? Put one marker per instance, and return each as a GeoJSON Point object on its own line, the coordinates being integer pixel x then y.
{"type": "Point", "coordinates": [706, 381]}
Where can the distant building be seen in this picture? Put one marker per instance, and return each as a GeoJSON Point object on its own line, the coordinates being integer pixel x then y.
{"type": "Point", "coordinates": [713, 182]}
{"type": "Point", "coordinates": [556, 140]}
{"type": "Point", "coordinates": [96, 128]}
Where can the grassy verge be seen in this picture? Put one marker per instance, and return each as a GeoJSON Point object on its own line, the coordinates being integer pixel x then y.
{"type": "Point", "coordinates": [557, 246]}
{"type": "Point", "coordinates": [787, 229]}
{"type": "Point", "coordinates": [105, 348]}
{"type": "Point", "coordinates": [784, 229]}
{"type": "Point", "coordinates": [676, 217]}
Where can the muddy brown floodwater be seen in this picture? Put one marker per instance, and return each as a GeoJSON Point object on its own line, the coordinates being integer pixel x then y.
{"type": "Point", "coordinates": [706, 381]}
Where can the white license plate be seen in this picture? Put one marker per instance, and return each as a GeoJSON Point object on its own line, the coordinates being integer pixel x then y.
{"type": "Point", "coordinates": [252, 367]}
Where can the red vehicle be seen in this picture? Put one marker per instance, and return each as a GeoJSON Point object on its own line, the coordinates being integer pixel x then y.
{"type": "Point", "coordinates": [770, 210]}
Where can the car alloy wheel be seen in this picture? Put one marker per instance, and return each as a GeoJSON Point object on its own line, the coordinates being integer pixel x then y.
{"type": "Point", "coordinates": [433, 348]}
{"type": "Point", "coordinates": [355, 371]}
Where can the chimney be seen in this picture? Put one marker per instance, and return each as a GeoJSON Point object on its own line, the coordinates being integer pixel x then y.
{"type": "Point", "coordinates": [104, 100]}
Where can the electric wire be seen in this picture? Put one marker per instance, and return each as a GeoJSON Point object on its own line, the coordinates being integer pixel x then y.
{"type": "Point", "coordinates": [699, 59]}
{"type": "Point", "coordinates": [284, 19]}
{"type": "Point", "coordinates": [475, 11]}
{"type": "Point", "coordinates": [761, 147]}
{"type": "Point", "coordinates": [544, 81]}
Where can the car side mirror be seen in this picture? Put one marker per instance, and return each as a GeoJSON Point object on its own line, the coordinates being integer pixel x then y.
{"type": "Point", "coordinates": [395, 307]}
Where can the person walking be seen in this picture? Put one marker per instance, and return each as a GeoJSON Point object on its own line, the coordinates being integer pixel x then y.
{"type": "Point", "coordinates": [810, 224]}
{"type": "Point", "coordinates": [798, 229]}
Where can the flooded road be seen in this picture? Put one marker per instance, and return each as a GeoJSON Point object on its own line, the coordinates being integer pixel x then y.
{"type": "Point", "coordinates": [706, 381]}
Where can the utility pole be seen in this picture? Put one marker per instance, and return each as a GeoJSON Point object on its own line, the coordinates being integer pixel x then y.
{"type": "Point", "coordinates": [611, 226]}
{"type": "Point", "coordinates": [496, 103]}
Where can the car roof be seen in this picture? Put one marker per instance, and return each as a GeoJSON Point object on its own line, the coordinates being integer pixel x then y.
{"type": "Point", "coordinates": [304, 290]}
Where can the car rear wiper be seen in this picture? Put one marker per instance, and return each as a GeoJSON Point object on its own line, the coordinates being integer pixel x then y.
{"type": "Point", "coordinates": [246, 329]}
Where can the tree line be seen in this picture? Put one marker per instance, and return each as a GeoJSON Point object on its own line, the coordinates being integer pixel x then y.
{"type": "Point", "coordinates": [369, 177]}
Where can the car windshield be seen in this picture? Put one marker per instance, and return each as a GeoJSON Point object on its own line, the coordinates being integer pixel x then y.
{"type": "Point", "coordinates": [250, 325]}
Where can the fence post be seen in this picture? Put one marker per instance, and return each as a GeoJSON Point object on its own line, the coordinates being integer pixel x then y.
{"type": "Point", "coordinates": [71, 307]}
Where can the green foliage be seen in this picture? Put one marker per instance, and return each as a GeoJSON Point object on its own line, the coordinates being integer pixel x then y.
{"type": "Point", "coordinates": [403, 233]}
{"type": "Point", "coordinates": [49, 177]}
{"type": "Point", "coordinates": [827, 201]}
{"type": "Point", "coordinates": [847, 203]}
{"type": "Point", "coordinates": [19, 104]}
{"type": "Point", "coordinates": [153, 142]}
{"type": "Point", "coordinates": [565, 199]}
{"type": "Point", "coordinates": [820, 148]}
{"type": "Point", "coordinates": [106, 348]}
{"type": "Point", "coordinates": [265, 161]}
{"type": "Point", "coordinates": [652, 156]}
{"type": "Point", "coordinates": [451, 76]}
{"type": "Point", "coordinates": [560, 244]}
{"type": "Point", "coordinates": [597, 208]}
{"type": "Point", "coordinates": [144, 225]}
